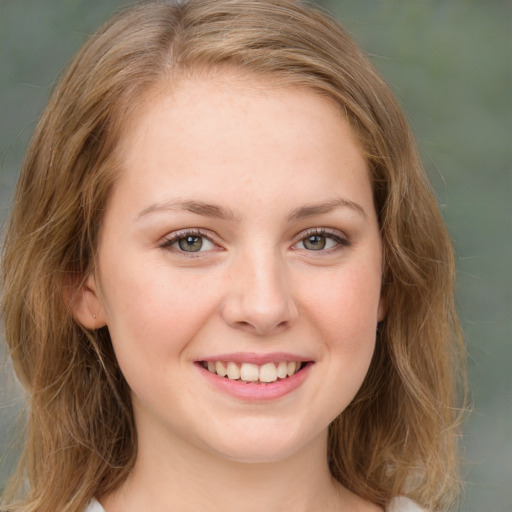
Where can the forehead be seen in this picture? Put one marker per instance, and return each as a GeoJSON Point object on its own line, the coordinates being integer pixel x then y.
{"type": "Point", "coordinates": [227, 131]}
{"type": "Point", "coordinates": [195, 88]}
{"type": "Point", "coordinates": [221, 98]}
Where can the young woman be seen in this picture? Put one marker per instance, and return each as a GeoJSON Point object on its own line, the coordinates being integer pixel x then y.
{"type": "Point", "coordinates": [226, 281]}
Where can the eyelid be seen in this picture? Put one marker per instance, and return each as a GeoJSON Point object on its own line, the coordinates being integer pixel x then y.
{"type": "Point", "coordinates": [171, 238]}
{"type": "Point", "coordinates": [341, 238]}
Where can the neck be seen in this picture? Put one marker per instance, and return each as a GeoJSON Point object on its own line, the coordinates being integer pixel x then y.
{"type": "Point", "coordinates": [171, 475]}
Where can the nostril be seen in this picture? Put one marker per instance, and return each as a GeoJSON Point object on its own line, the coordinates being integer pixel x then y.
{"type": "Point", "coordinates": [253, 314]}
{"type": "Point", "coordinates": [257, 327]}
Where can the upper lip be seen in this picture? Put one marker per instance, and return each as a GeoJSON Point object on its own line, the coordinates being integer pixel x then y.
{"type": "Point", "coordinates": [255, 358]}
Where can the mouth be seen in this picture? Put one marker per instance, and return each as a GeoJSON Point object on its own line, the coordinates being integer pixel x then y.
{"type": "Point", "coordinates": [251, 373]}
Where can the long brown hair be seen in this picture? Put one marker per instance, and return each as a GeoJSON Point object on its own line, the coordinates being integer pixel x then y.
{"type": "Point", "coordinates": [398, 436]}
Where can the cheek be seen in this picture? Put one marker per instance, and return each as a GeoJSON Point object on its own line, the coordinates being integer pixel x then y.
{"type": "Point", "coordinates": [152, 323]}
{"type": "Point", "coordinates": [344, 308]}
{"type": "Point", "coordinates": [151, 314]}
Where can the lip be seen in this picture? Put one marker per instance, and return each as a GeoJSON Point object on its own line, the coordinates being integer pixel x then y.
{"type": "Point", "coordinates": [255, 358]}
{"type": "Point", "coordinates": [251, 391]}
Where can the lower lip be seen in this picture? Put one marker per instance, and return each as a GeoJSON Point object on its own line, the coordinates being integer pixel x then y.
{"type": "Point", "coordinates": [257, 392]}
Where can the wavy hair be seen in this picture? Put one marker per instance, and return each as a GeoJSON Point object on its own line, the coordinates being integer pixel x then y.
{"type": "Point", "coordinates": [399, 434]}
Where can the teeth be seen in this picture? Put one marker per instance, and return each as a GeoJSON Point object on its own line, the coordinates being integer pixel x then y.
{"type": "Point", "coordinates": [268, 373]}
{"type": "Point", "coordinates": [233, 371]}
{"type": "Point", "coordinates": [292, 366]}
{"type": "Point", "coordinates": [220, 369]}
{"type": "Point", "coordinates": [248, 372]}
{"type": "Point", "coordinates": [282, 370]}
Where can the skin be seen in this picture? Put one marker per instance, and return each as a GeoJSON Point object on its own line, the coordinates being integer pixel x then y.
{"type": "Point", "coordinates": [261, 154]}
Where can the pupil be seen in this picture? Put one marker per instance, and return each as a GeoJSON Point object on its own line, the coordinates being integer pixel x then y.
{"type": "Point", "coordinates": [191, 243]}
{"type": "Point", "coordinates": [315, 242]}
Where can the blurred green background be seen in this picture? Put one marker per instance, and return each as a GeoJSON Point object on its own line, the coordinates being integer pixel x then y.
{"type": "Point", "coordinates": [449, 62]}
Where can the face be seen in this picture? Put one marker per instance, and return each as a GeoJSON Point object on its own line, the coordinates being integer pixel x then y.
{"type": "Point", "coordinates": [239, 268]}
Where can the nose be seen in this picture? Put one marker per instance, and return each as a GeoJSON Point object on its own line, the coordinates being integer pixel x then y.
{"type": "Point", "coordinates": [259, 299]}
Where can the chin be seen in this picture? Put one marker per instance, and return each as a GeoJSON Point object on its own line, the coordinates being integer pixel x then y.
{"type": "Point", "coordinates": [262, 447]}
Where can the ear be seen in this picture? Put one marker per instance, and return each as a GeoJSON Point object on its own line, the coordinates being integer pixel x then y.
{"type": "Point", "coordinates": [85, 304]}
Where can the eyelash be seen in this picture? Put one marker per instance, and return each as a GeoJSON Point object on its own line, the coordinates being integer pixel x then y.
{"type": "Point", "coordinates": [340, 240]}
{"type": "Point", "coordinates": [181, 235]}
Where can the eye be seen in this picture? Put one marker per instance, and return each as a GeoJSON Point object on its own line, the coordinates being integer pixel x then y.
{"type": "Point", "coordinates": [188, 241]}
{"type": "Point", "coordinates": [321, 240]}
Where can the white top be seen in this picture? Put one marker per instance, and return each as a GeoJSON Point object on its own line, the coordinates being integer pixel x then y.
{"type": "Point", "coordinates": [399, 504]}
{"type": "Point", "coordinates": [94, 506]}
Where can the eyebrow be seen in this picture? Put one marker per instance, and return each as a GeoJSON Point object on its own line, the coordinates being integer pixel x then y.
{"type": "Point", "coordinates": [198, 207]}
{"type": "Point", "coordinates": [220, 212]}
{"type": "Point", "coordinates": [307, 211]}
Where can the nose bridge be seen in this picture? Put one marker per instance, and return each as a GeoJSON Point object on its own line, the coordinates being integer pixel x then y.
{"type": "Point", "coordinates": [261, 299]}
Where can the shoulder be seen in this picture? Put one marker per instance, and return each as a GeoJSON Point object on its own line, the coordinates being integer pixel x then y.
{"type": "Point", "coordinates": [94, 506]}
{"type": "Point", "coordinates": [402, 504]}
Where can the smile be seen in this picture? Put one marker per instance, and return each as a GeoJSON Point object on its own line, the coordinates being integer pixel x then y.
{"type": "Point", "coordinates": [249, 372]}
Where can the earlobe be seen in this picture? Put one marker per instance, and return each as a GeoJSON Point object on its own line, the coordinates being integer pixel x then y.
{"type": "Point", "coordinates": [86, 306]}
